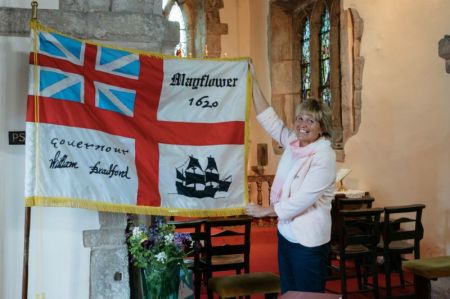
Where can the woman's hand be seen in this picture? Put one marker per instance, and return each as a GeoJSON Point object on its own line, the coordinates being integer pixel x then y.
{"type": "Point", "coordinates": [258, 211]}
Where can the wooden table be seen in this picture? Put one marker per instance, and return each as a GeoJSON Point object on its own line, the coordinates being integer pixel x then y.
{"type": "Point", "coordinates": [307, 295]}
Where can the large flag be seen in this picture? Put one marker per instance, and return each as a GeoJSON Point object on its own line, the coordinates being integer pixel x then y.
{"type": "Point", "coordinates": [130, 131]}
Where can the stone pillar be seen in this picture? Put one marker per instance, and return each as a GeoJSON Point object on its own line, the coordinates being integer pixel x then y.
{"type": "Point", "coordinates": [444, 51]}
{"type": "Point", "coordinates": [214, 28]}
{"type": "Point", "coordinates": [109, 257]}
{"type": "Point", "coordinates": [285, 80]}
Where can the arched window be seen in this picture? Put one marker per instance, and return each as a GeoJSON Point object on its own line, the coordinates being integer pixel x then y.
{"type": "Point", "coordinates": [305, 61]}
{"type": "Point", "coordinates": [324, 36]}
{"type": "Point", "coordinates": [323, 61]}
{"type": "Point", "coordinates": [200, 27]}
{"type": "Point", "coordinates": [174, 14]}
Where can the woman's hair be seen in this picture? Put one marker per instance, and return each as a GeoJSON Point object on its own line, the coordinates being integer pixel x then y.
{"type": "Point", "coordinates": [319, 111]}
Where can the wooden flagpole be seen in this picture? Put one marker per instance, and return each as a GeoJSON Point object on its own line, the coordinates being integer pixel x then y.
{"type": "Point", "coordinates": [26, 247]}
{"type": "Point", "coordinates": [27, 226]}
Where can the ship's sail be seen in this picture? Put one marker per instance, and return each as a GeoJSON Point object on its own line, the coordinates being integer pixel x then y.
{"type": "Point", "coordinates": [193, 164]}
{"type": "Point", "coordinates": [211, 173]}
{"type": "Point", "coordinates": [211, 177]}
{"type": "Point", "coordinates": [211, 164]}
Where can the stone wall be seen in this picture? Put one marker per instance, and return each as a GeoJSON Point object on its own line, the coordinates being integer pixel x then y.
{"type": "Point", "coordinates": [285, 66]}
{"type": "Point", "coordinates": [444, 51]}
{"type": "Point", "coordinates": [134, 23]}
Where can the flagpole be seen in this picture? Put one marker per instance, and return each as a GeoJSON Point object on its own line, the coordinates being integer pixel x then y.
{"type": "Point", "coordinates": [27, 226]}
{"type": "Point", "coordinates": [26, 246]}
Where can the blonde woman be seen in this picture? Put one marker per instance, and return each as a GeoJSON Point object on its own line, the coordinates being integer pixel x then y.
{"type": "Point", "coordinates": [301, 193]}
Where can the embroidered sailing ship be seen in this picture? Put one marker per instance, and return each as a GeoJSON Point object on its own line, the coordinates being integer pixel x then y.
{"type": "Point", "coordinates": [193, 181]}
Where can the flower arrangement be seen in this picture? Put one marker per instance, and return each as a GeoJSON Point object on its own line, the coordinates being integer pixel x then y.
{"type": "Point", "coordinates": [159, 251]}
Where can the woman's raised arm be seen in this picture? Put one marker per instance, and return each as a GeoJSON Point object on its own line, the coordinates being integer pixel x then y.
{"type": "Point", "coordinates": [259, 101]}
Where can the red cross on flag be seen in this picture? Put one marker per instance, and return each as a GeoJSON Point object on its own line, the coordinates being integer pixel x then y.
{"type": "Point", "coordinates": [131, 131]}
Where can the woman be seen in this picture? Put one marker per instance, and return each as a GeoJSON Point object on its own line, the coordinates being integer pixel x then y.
{"type": "Point", "coordinates": [301, 193]}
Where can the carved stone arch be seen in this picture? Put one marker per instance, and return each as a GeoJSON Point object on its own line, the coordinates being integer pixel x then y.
{"type": "Point", "coordinates": [300, 20]}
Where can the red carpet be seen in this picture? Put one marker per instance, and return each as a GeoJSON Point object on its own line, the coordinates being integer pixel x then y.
{"type": "Point", "coordinates": [263, 258]}
{"type": "Point", "coordinates": [263, 250]}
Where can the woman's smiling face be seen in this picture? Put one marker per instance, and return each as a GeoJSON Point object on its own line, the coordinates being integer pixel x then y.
{"type": "Point", "coordinates": [307, 129]}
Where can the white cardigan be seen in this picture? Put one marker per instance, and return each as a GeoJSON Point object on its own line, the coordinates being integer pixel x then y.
{"type": "Point", "coordinates": [304, 207]}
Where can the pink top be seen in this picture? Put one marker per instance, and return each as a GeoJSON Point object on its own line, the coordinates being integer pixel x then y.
{"type": "Point", "coordinates": [304, 185]}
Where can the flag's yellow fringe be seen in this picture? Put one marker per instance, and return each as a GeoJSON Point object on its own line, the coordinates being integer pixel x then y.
{"type": "Point", "coordinates": [38, 26]}
{"type": "Point", "coordinates": [126, 208]}
{"type": "Point", "coordinates": [249, 96]}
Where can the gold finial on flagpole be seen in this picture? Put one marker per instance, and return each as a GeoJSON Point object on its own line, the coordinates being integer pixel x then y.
{"type": "Point", "coordinates": [34, 5]}
{"type": "Point", "coordinates": [206, 50]}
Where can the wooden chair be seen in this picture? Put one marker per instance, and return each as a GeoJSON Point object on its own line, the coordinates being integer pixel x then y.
{"type": "Point", "coordinates": [195, 228]}
{"type": "Point", "coordinates": [339, 203]}
{"type": "Point", "coordinates": [227, 246]}
{"type": "Point", "coordinates": [359, 234]}
{"type": "Point", "coordinates": [402, 232]}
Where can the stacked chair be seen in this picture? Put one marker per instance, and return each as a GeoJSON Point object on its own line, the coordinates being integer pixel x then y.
{"type": "Point", "coordinates": [342, 203]}
{"type": "Point", "coordinates": [226, 247]}
{"type": "Point", "coordinates": [359, 233]}
{"type": "Point", "coordinates": [402, 232]}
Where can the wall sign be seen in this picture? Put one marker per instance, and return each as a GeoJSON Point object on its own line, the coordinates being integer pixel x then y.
{"type": "Point", "coordinates": [16, 137]}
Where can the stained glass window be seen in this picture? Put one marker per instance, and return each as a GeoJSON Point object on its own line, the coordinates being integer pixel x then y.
{"type": "Point", "coordinates": [324, 88]}
{"type": "Point", "coordinates": [306, 61]}
{"type": "Point", "coordinates": [176, 15]}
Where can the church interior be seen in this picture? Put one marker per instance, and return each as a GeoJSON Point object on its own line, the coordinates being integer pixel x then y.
{"type": "Point", "coordinates": [382, 66]}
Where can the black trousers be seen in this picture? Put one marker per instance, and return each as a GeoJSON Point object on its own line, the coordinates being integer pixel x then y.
{"type": "Point", "coordinates": [302, 268]}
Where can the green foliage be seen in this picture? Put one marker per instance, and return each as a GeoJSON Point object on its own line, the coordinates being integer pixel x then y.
{"type": "Point", "coordinates": [159, 251]}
